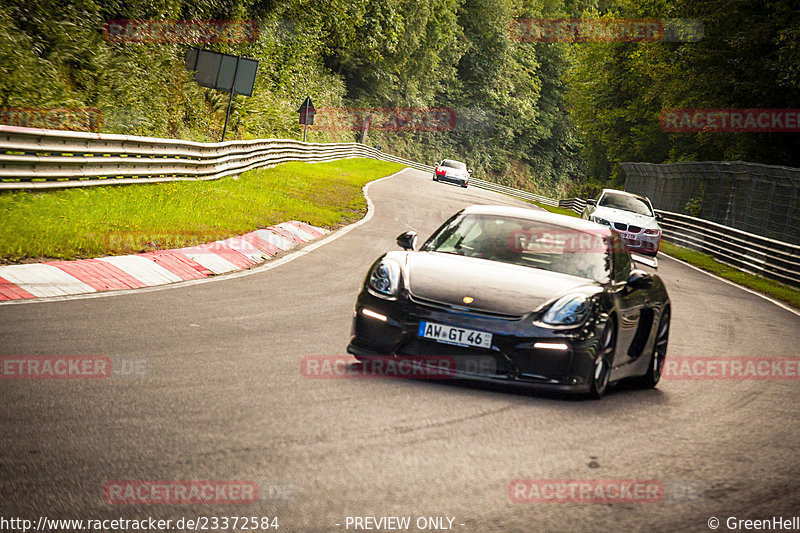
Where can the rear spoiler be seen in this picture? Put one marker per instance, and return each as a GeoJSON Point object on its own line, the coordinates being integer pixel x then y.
{"type": "Point", "coordinates": [652, 262]}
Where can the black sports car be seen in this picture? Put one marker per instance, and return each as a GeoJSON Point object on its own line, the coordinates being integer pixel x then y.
{"type": "Point", "coordinates": [548, 300]}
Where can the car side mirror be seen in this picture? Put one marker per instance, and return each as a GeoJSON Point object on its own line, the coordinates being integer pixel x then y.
{"type": "Point", "coordinates": [659, 217]}
{"type": "Point", "coordinates": [407, 240]}
{"type": "Point", "coordinates": [591, 201]}
{"type": "Point", "coordinates": [469, 171]}
{"type": "Point", "coordinates": [639, 279]}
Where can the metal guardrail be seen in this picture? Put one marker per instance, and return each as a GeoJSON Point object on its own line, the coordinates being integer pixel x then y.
{"type": "Point", "coordinates": [35, 158]}
{"type": "Point", "coordinates": [575, 204]}
{"type": "Point", "coordinates": [516, 193]}
{"type": "Point", "coordinates": [32, 158]}
{"type": "Point", "coordinates": [753, 197]}
{"type": "Point", "coordinates": [745, 251]}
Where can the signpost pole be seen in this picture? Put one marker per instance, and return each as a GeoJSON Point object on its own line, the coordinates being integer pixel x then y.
{"type": "Point", "coordinates": [230, 100]}
{"type": "Point", "coordinates": [306, 113]}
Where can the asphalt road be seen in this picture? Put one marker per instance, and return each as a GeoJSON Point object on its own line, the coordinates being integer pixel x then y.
{"type": "Point", "coordinates": [221, 397]}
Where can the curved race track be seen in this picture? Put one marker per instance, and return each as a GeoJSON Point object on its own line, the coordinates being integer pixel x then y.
{"type": "Point", "coordinates": [222, 397]}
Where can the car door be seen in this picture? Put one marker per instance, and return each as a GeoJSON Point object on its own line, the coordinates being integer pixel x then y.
{"type": "Point", "coordinates": [629, 302]}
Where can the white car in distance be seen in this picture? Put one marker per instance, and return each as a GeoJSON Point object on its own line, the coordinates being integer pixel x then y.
{"type": "Point", "coordinates": [453, 172]}
{"type": "Point", "coordinates": [631, 215]}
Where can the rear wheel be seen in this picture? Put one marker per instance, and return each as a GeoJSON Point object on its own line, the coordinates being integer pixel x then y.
{"type": "Point", "coordinates": [656, 366]}
{"type": "Point", "coordinates": [602, 365]}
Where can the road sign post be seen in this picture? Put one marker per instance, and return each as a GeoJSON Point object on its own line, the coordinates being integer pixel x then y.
{"type": "Point", "coordinates": [307, 113]}
{"type": "Point", "coordinates": [230, 101]}
{"type": "Point", "coordinates": [223, 72]}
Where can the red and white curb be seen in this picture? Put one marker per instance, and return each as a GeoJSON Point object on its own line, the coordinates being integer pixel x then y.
{"type": "Point", "coordinates": [62, 278]}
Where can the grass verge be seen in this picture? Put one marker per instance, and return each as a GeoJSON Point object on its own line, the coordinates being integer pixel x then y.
{"type": "Point", "coordinates": [779, 291]}
{"type": "Point", "coordinates": [559, 210]}
{"type": "Point", "coordinates": [94, 221]}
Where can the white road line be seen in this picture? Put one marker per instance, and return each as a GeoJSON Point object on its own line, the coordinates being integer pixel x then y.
{"type": "Point", "coordinates": [729, 282]}
{"type": "Point", "coordinates": [146, 271]}
{"type": "Point", "coordinates": [44, 280]}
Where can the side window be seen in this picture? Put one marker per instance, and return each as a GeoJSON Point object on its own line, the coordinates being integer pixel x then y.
{"type": "Point", "coordinates": [622, 258]}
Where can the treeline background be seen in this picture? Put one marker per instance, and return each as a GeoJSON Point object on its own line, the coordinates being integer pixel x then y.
{"type": "Point", "coordinates": [554, 118]}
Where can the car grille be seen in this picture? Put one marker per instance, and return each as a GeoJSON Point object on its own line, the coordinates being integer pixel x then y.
{"type": "Point", "coordinates": [624, 227]}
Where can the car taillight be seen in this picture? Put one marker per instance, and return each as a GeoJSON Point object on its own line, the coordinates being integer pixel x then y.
{"type": "Point", "coordinates": [441, 172]}
{"type": "Point", "coordinates": [652, 232]}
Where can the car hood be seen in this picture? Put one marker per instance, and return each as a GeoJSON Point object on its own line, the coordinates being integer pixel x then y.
{"type": "Point", "coordinates": [626, 217]}
{"type": "Point", "coordinates": [497, 288]}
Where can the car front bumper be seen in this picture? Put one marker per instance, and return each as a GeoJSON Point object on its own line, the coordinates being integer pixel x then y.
{"type": "Point", "coordinates": [646, 244]}
{"type": "Point", "coordinates": [459, 180]}
{"type": "Point", "coordinates": [521, 352]}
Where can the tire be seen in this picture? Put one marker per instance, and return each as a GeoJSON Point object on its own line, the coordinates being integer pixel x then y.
{"type": "Point", "coordinates": [464, 186]}
{"type": "Point", "coordinates": [602, 367]}
{"type": "Point", "coordinates": [656, 365]}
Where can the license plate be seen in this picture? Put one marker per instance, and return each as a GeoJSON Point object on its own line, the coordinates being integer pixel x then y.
{"type": "Point", "coordinates": [454, 335]}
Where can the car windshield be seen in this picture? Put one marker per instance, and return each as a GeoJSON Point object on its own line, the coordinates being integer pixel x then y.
{"type": "Point", "coordinates": [526, 243]}
{"type": "Point", "coordinates": [453, 164]}
{"type": "Point", "coordinates": [626, 202]}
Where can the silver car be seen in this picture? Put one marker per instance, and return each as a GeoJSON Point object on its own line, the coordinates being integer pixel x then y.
{"type": "Point", "coordinates": [631, 215]}
{"type": "Point", "coordinates": [453, 172]}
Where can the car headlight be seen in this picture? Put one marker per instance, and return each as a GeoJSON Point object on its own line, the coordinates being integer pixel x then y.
{"type": "Point", "coordinates": [600, 221]}
{"type": "Point", "coordinates": [385, 278]}
{"type": "Point", "coordinates": [568, 310]}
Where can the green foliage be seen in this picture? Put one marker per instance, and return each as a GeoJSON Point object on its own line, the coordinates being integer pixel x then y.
{"type": "Point", "coordinates": [512, 123]}
{"type": "Point", "coordinates": [748, 58]}
{"type": "Point", "coordinates": [694, 206]}
{"type": "Point", "coordinates": [545, 117]}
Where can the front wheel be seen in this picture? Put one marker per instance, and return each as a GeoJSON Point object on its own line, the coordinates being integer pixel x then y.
{"type": "Point", "coordinates": [659, 355]}
{"type": "Point", "coordinates": [602, 365]}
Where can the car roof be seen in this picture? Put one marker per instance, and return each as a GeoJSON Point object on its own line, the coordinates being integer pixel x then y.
{"type": "Point", "coordinates": [575, 223]}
